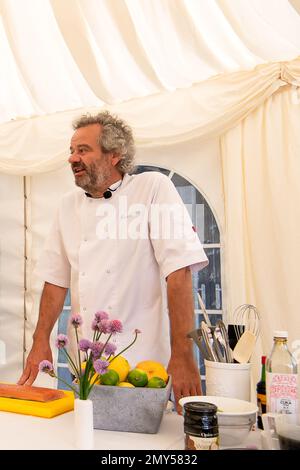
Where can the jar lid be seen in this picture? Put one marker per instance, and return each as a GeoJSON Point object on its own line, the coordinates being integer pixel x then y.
{"type": "Point", "coordinates": [280, 334]}
{"type": "Point", "coordinates": [200, 407]}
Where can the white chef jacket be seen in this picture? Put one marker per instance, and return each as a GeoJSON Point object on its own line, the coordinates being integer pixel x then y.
{"type": "Point", "coordinates": [121, 275]}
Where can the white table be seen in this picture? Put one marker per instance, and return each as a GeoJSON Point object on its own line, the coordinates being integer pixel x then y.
{"type": "Point", "coordinates": [32, 433]}
{"type": "Point", "coordinates": [29, 432]}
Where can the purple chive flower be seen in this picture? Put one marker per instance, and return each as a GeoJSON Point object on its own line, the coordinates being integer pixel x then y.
{"type": "Point", "coordinates": [101, 326]}
{"type": "Point", "coordinates": [136, 331]}
{"type": "Point", "coordinates": [84, 345]}
{"type": "Point", "coordinates": [101, 366]}
{"type": "Point", "coordinates": [99, 316]}
{"type": "Point", "coordinates": [76, 320]}
{"type": "Point", "coordinates": [46, 367]}
{"type": "Point", "coordinates": [115, 326]}
{"type": "Point", "coordinates": [97, 349]}
{"type": "Point", "coordinates": [95, 325]}
{"type": "Point", "coordinates": [61, 341]}
{"type": "Point", "coordinates": [110, 348]}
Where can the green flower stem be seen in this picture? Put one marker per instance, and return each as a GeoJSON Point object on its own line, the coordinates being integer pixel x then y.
{"type": "Point", "coordinates": [84, 380]}
{"type": "Point", "coordinates": [127, 347]}
{"type": "Point", "coordinates": [66, 383]}
{"type": "Point", "coordinates": [77, 341]}
{"type": "Point", "coordinates": [88, 376]}
{"type": "Point", "coordinates": [98, 335]}
{"type": "Point", "coordinates": [71, 362]}
{"type": "Point", "coordinates": [106, 343]}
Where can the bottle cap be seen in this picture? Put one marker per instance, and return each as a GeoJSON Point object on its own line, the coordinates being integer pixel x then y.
{"type": "Point", "coordinates": [280, 334]}
{"type": "Point", "coordinates": [263, 359]}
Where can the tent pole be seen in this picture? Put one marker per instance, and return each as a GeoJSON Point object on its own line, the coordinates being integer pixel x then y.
{"type": "Point", "coordinates": [25, 267]}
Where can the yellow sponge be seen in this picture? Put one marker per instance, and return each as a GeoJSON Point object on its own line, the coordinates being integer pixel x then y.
{"type": "Point", "coordinates": [35, 408]}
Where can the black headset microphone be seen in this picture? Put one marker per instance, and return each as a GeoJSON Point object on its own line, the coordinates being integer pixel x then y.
{"type": "Point", "coordinates": [108, 193]}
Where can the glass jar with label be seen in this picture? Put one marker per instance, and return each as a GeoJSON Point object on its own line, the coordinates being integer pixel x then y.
{"type": "Point", "coordinates": [201, 426]}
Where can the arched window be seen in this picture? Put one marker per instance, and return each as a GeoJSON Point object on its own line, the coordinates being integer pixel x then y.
{"type": "Point", "coordinates": [207, 282]}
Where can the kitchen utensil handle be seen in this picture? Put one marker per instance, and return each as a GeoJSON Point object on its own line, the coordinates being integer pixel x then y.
{"type": "Point", "coordinates": [205, 314]}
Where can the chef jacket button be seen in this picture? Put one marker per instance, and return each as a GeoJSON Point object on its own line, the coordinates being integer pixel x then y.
{"type": "Point", "coordinates": [83, 274]}
{"type": "Point", "coordinates": [108, 271]}
{"type": "Point", "coordinates": [84, 309]}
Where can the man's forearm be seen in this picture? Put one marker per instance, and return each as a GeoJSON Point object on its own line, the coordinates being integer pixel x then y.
{"type": "Point", "coordinates": [181, 310]}
{"type": "Point", "coordinates": [182, 366]}
{"type": "Point", "coordinates": [51, 305]}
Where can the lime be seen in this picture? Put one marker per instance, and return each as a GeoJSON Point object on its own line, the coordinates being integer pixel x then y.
{"type": "Point", "coordinates": [125, 384]}
{"type": "Point", "coordinates": [111, 377]}
{"type": "Point", "coordinates": [137, 377]}
{"type": "Point", "coordinates": [156, 382]}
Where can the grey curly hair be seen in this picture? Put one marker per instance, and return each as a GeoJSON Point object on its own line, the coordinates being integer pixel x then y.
{"type": "Point", "coordinates": [116, 136]}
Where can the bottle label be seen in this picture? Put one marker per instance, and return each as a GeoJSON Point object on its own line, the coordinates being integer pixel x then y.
{"type": "Point", "coordinates": [201, 443]}
{"type": "Point", "coordinates": [282, 393]}
{"type": "Point", "coordinates": [262, 398]}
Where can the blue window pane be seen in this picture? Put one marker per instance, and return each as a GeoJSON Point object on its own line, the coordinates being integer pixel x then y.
{"type": "Point", "coordinates": [62, 329]}
{"type": "Point", "coordinates": [201, 214]}
{"type": "Point", "coordinates": [68, 298]}
{"type": "Point", "coordinates": [208, 282]}
{"type": "Point", "coordinates": [64, 374]}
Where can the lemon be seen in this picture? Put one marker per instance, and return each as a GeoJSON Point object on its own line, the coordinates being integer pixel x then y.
{"type": "Point", "coordinates": [153, 369]}
{"type": "Point", "coordinates": [137, 377]}
{"type": "Point", "coordinates": [125, 384]}
{"type": "Point", "coordinates": [95, 379]}
{"type": "Point", "coordinates": [110, 378]}
{"type": "Point", "coordinates": [156, 382]}
{"type": "Point", "coordinates": [121, 366]}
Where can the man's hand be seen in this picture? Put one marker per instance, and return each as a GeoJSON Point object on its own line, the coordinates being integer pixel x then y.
{"type": "Point", "coordinates": [185, 378]}
{"type": "Point", "coordinates": [40, 351]}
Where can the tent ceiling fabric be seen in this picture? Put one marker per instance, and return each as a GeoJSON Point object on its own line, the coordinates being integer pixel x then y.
{"type": "Point", "coordinates": [204, 110]}
{"type": "Point", "coordinates": [58, 55]}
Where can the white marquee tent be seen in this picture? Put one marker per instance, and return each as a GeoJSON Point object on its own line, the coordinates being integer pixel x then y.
{"type": "Point", "coordinates": [212, 91]}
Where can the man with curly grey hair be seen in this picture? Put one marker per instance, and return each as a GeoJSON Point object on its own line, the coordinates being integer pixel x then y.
{"type": "Point", "coordinates": [115, 139]}
{"type": "Point", "coordinates": [108, 246]}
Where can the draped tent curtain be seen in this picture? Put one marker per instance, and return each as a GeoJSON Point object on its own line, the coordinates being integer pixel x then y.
{"type": "Point", "coordinates": [261, 174]}
{"type": "Point", "coordinates": [205, 110]}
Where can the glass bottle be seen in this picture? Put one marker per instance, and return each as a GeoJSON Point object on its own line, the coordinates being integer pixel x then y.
{"type": "Point", "coordinates": [261, 393]}
{"type": "Point", "coordinates": [281, 377]}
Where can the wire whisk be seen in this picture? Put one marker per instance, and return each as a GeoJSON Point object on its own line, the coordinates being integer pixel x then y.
{"type": "Point", "coordinates": [249, 316]}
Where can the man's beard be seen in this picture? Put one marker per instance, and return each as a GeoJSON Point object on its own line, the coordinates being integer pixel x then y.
{"type": "Point", "coordinates": [95, 178]}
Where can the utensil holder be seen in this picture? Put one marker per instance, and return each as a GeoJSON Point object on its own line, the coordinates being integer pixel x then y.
{"type": "Point", "coordinates": [228, 379]}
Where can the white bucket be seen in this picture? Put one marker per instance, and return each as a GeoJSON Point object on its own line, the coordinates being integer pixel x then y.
{"type": "Point", "coordinates": [228, 379]}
